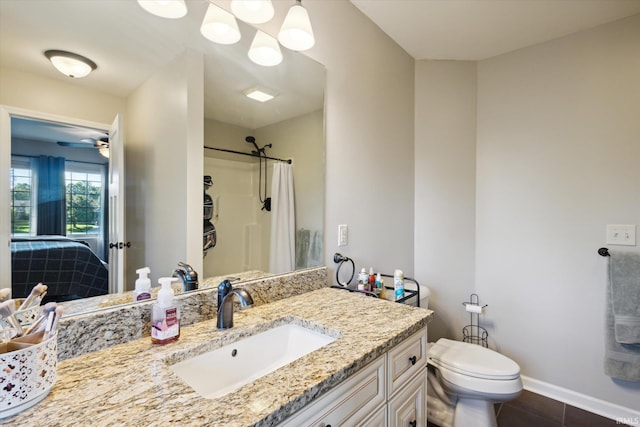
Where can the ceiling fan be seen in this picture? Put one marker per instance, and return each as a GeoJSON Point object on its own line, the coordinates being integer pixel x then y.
{"type": "Point", "coordinates": [101, 144]}
{"type": "Point", "coordinates": [87, 143]}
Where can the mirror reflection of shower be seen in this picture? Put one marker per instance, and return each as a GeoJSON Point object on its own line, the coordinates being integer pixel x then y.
{"type": "Point", "coordinates": [243, 228]}
{"type": "Point", "coordinates": [209, 238]}
{"type": "Point", "coordinates": [262, 189]}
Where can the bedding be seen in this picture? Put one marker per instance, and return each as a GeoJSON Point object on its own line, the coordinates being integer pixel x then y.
{"type": "Point", "coordinates": [68, 267]}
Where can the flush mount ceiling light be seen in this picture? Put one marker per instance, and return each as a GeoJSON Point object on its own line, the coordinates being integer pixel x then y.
{"type": "Point", "coordinates": [265, 50]}
{"type": "Point", "coordinates": [253, 11]}
{"type": "Point", "coordinates": [70, 64]}
{"type": "Point", "coordinates": [220, 26]}
{"type": "Point", "coordinates": [261, 95]}
{"type": "Point", "coordinates": [171, 9]}
{"type": "Point", "coordinates": [296, 32]}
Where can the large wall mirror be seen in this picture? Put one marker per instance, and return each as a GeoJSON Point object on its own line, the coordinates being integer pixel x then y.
{"type": "Point", "coordinates": [129, 46]}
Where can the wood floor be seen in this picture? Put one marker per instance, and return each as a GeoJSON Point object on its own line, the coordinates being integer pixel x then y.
{"type": "Point", "coordinates": [534, 410]}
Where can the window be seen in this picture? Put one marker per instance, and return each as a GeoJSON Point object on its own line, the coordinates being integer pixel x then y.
{"type": "Point", "coordinates": [22, 190]}
{"type": "Point", "coordinates": [84, 198]}
{"type": "Point", "coordinates": [84, 192]}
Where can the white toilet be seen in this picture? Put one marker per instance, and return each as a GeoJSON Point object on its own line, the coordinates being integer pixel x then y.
{"type": "Point", "coordinates": [465, 380]}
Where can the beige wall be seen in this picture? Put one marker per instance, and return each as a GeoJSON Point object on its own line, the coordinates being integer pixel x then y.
{"type": "Point", "coordinates": [369, 138]}
{"type": "Point", "coordinates": [553, 160]}
{"type": "Point", "coordinates": [445, 117]}
{"type": "Point", "coordinates": [53, 96]}
{"type": "Point", "coordinates": [557, 159]}
{"type": "Point", "coordinates": [164, 133]}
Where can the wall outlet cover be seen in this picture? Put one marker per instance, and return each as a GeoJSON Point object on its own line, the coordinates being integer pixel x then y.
{"type": "Point", "coordinates": [621, 234]}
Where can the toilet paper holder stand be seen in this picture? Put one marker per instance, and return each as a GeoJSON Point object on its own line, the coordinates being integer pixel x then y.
{"type": "Point", "coordinates": [473, 332]}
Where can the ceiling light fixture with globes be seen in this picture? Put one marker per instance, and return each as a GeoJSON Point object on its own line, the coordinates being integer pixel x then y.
{"type": "Point", "coordinates": [220, 25]}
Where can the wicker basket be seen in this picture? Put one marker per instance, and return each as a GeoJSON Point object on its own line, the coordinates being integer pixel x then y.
{"type": "Point", "coordinates": [27, 373]}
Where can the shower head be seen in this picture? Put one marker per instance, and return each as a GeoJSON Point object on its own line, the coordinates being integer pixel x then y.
{"type": "Point", "coordinates": [252, 140]}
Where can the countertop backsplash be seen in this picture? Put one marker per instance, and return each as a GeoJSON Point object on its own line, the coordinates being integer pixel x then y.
{"type": "Point", "coordinates": [84, 333]}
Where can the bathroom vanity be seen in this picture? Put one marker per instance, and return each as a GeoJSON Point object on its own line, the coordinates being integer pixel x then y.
{"type": "Point", "coordinates": [376, 364]}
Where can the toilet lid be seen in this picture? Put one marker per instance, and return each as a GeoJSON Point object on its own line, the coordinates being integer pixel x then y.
{"type": "Point", "coordinates": [472, 359]}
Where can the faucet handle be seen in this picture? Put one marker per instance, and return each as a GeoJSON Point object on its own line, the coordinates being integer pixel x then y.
{"type": "Point", "coordinates": [223, 290]}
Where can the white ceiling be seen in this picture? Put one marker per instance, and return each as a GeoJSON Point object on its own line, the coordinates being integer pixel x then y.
{"type": "Point", "coordinates": [480, 29]}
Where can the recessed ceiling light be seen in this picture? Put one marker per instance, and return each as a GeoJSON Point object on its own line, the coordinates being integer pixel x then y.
{"type": "Point", "coordinates": [258, 94]}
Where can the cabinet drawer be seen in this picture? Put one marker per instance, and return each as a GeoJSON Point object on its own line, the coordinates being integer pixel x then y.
{"type": "Point", "coordinates": [406, 360]}
{"type": "Point", "coordinates": [409, 406]}
{"type": "Point", "coordinates": [348, 403]}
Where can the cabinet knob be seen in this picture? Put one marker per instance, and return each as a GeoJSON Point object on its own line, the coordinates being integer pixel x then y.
{"type": "Point", "coordinates": [413, 360]}
{"type": "Point", "coordinates": [413, 423]}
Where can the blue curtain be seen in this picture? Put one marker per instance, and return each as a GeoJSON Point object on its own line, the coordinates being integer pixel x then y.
{"type": "Point", "coordinates": [51, 218]}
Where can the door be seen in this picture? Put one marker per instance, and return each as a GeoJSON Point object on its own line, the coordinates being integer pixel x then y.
{"type": "Point", "coordinates": [117, 245]}
{"type": "Point", "coordinates": [117, 152]}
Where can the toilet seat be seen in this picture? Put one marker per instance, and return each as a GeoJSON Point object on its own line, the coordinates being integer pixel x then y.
{"type": "Point", "coordinates": [472, 360]}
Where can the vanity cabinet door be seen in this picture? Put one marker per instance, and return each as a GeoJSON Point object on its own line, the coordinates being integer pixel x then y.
{"type": "Point", "coordinates": [379, 419]}
{"type": "Point", "coordinates": [409, 406]}
{"type": "Point", "coordinates": [348, 403]}
{"type": "Point", "coordinates": [406, 360]}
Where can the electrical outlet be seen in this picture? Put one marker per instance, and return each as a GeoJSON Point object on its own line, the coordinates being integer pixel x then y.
{"type": "Point", "coordinates": [621, 234]}
{"type": "Point", "coordinates": [343, 235]}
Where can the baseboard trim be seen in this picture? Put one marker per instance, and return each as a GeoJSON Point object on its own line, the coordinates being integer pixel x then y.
{"type": "Point", "coordinates": [582, 401]}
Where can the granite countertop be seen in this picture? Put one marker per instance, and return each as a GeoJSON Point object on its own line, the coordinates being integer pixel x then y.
{"type": "Point", "coordinates": [131, 384]}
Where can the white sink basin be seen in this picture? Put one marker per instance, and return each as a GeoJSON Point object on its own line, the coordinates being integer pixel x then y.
{"type": "Point", "coordinates": [221, 371]}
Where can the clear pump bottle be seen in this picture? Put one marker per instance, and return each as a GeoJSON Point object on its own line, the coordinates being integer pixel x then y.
{"type": "Point", "coordinates": [143, 285]}
{"type": "Point", "coordinates": [165, 315]}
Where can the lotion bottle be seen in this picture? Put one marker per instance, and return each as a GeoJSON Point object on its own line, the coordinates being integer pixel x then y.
{"type": "Point", "coordinates": [165, 315]}
{"type": "Point", "coordinates": [398, 284]}
{"type": "Point", "coordinates": [143, 285]}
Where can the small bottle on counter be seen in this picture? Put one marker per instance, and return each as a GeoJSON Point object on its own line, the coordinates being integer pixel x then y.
{"type": "Point", "coordinates": [398, 284]}
{"type": "Point", "coordinates": [378, 285]}
{"type": "Point", "coordinates": [372, 280]}
{"type": "Point", "coordinates": [362, 280]}
{"type": "Point", "coordinates": [165, 315]}
{"type": "Point", "coordinates": [143, 285]}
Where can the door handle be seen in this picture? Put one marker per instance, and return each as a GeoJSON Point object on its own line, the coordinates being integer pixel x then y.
{"type": "Point", "coordinates": [119, 245]}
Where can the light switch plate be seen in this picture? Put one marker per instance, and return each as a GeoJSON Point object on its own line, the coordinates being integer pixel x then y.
{"type": "Point", "coordinates": [621, 234]}
{"type": "Point", "coordinates": [343, 235]}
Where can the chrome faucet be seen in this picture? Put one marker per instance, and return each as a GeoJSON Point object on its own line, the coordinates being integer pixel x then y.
{"type": "Point", "coordinates": [187, 275]}
{"type": "Point", "coordinates": [225, 303]}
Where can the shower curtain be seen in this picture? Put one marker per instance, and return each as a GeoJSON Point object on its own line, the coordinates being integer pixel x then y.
{"type": "Point", "coordinates": [282, 254]}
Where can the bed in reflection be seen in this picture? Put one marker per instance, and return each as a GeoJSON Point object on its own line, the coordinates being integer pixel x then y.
{"type": "Point", "coordinates": [69, 268]}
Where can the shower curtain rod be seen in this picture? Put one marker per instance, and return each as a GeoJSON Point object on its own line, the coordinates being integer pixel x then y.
{"type": "Point", "coordinates": [247, 154]}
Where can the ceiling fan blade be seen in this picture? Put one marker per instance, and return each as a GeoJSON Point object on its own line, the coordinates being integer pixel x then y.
{"type": "Point", "coordinates": [76, 144]}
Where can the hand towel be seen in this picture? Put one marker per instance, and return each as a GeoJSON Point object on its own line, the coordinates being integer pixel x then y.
{"type": "Point", "coordinates": [624, 278]}
{"type": "Point", "coordinates": [622, 360]}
